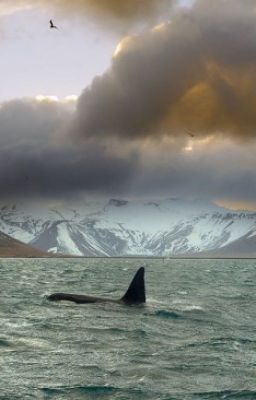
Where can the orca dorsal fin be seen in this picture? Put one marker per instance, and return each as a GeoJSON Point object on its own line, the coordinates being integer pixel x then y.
{"type": "Point", "coordinates": [136, 291]}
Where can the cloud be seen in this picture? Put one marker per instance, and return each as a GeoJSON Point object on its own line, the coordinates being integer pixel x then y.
{"type": "Point", "coordinates": [129, 134]}
{"type": "Point", "coordinates": [196, 72]}
{"type": "Point", "coordinates": [12, 6]}
{"type": "Point", "coordinates": [122, 12]}
{"type": "Point", "coordinates": [114, 14]}
{"type": "Point", "coordinates": [38, 159]}
{"type": "Point", "coordinates": [214, 169]}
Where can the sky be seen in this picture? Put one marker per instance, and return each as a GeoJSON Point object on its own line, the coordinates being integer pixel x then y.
{"type": "Point", "coordinates": [141, 99]}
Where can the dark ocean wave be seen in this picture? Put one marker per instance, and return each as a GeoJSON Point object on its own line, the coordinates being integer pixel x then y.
{"type": "Point", "coordinates": [4, 343]}
{"type": "Point", "coordinates": [106, 392]}
{"type": "Point", "coordinates": [226, 395]}
{"type": "Point", "coordinates": [221, 341]}
{"type": "Point", "coordinates": [167, 314]}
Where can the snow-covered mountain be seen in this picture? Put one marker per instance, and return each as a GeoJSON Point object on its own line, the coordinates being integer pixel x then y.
{"type": "Point", "coordinates": [120, 227]}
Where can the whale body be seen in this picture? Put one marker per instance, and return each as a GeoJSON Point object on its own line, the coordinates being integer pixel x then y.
{"type": "Point", "coordinates": [135, 294]}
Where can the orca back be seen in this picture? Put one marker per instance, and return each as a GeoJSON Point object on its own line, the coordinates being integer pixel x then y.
{"type": "Point", "coordinates": [136, 291]}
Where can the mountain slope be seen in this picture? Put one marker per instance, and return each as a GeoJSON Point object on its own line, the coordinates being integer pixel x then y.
{"type": "Point", "coordinates": [244, 247]}
{"type": "Point", "coordinates": [10, 247]}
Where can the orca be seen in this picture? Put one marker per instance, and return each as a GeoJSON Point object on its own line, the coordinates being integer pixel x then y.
{"type": "Point", "coordinates": [134, 295]}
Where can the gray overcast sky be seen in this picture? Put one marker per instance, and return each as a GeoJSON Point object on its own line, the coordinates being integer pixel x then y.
{"type": "Point", "coordinates": [36, 60]}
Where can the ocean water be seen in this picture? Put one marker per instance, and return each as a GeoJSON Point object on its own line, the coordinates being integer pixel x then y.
{"type": "Point", "coordinates": [195, 339]}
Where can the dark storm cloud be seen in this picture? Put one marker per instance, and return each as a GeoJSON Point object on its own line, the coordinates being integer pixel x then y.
{"type": "Point", "coordinates": [121, 13]}
{"type": "Point", "coordinates": [196, 72]}
{"type": "Point", "coordinates": [38, 158]}
{"type": "Point", "coordinates": [213, 170]}
{"type": "Point", "coordinates": [35, 159]}
{"type": "Point", "coordinates": [114, 14]}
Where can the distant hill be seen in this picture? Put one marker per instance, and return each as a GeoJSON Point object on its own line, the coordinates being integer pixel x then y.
{"type": "Point", "coordinates": [10, 247]}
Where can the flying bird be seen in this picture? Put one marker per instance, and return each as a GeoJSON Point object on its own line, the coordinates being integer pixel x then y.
{"type": "Point", "coordinates": [52, 26]}
{"type": "Point", "coordinates": [191, 134]}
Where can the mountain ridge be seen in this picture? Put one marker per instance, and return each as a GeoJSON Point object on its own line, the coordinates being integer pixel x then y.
{"type": "Point", "coordinates": [118, 227]}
